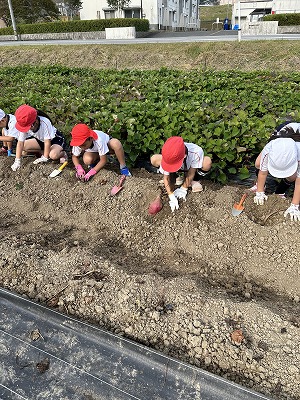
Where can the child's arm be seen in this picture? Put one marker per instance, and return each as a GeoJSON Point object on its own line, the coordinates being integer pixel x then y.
{"type": "Point", "coordinates": [101, 163]}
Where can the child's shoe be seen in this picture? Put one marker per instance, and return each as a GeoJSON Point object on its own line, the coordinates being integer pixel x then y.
{"type": "Point", "coordinates": [196, 187]}
{"type": "Point", "coordinates": [281, 195]}
{"type": "Point", "coordinates": [179, 180]}
{"type": "Point", "coordinates": [64, 158]}
{"type": "Point", "coordinates": [3, 151]}
{"type": "Point", "coordinates": [125, 171]}
{"type": "Point", "coordinates": [254, 188]}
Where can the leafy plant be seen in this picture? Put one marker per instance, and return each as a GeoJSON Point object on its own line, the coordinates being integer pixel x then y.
{"type": "Point", "coordinates": [229, 114]}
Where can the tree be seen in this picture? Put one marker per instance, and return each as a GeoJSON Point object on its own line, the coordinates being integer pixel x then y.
{"type": "Point", "coordinates": [69, 8]}
{"type": "Point", "coordinates": [30, 11]}
{"type": "Point", "coordinates": [209, 2]}
{"type": "Point", "coordinates": [118, 3]}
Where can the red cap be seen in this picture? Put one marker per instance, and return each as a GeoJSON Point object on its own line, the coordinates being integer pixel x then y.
{"type": "Point", "coordinates": [80, 133]}
{"type": "Point", "coordinates": [173, 153]}
{"type": "Point", "coordinates": [25, 116]}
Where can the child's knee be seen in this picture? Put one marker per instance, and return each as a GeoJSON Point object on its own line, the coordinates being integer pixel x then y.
{"type": "Point", "coordinates": [156, 160]}
{"type": "Point", "coordinates": [207, 162]}
{"type": "Point", "coordinates": [115, 145]}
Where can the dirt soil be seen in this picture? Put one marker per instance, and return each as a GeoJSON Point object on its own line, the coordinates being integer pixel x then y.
{"type": "Point", "coordinates": [216, 291]}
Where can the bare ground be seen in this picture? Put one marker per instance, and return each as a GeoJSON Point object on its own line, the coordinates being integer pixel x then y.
{"type": "Point", "coordinates": [217, 291]}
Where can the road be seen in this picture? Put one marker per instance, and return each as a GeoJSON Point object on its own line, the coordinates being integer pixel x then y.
{"type": "Point", "coordinates": [161, 37]}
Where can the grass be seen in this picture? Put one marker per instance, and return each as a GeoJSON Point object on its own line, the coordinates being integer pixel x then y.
{"type": "Point", "coordinates": [211, 13]}
{"type": "Point", "coordinates": [218, 56]}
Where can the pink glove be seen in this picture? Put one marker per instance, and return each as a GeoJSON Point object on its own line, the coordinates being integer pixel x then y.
{"type": "Point", "coordinates": [89, 174]}
{"type": "Point", "coordinates": [80, 172]}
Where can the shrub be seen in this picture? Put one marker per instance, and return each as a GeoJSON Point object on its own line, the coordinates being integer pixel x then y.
{"type": "Point", "coordinates": [141, 25]}
{"type": "Point", "coordinates": [284, 19]}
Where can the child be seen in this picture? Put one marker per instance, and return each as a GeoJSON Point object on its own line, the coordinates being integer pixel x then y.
{"type": "Point", "coordinates": [37, 134]}
{"type": "Point", "coordinates": [7, 123]}
{"type": "Point", "coordinates": [280, 158]}
{"type": "Point", "coordinates": [177, 156]}
{"type": "Point", "coordinates": [94, 145]}
{"type": "Point", "coordinates": [285, 130]}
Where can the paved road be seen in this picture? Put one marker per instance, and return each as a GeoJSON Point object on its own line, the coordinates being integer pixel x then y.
{"type": "Point", "coordinates": [161, 37]}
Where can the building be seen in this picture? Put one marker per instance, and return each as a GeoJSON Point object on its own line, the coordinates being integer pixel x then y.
{"type": "Point", "coordinates": [162, 14]}
{"type": "Point", "coordinates": [252, 11]}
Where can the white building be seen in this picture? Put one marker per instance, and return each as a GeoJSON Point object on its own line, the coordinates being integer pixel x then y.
{"type": "Point", "coordinates": [162, 14]}
{"type": "Point", "coordinates": [252, 11]}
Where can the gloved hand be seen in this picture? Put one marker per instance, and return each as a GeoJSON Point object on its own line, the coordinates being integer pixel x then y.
{"type": "Point", "coordinates": [16, 165]}
{"type": "Point", "coordinates": [260, 198]}
{"type": "Point", "coordinates": [91, 173]}
{"type": "Point", "coordinates": [294, 212]}
{"type": "Point", "coordinates": [80, 172]}
{"type": "Point", "coordinates": [180, 193]}
{"type": "Point", "coordinates": [40, 160]}
{"type": "Point", "coordinates": [173, 202]}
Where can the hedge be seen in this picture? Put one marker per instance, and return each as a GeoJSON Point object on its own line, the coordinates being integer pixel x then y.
{"type": "Point", "coordinates": [284, 19]}
{"type": "Point", "coordinates": [141, 25]}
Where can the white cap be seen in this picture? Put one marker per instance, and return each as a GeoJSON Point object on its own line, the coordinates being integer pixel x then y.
{"type": "Point", "coordinates": [2, 114]}
{"type": "Point", "coordinates": [282, 158]}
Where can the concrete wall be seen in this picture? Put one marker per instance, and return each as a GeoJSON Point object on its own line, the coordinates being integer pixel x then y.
{"type": "Point", "coordinates": [64, 35]}
{"type": "Point", "coordinates": [120, 33]}
{"type": "Point", "coordinates": [259, 28]}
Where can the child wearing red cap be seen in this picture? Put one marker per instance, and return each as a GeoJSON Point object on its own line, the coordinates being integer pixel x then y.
{"type": "Point", "coordinates": [37, 134]}
{"type": "Point", "coordinates": [94, 145]}
{"type": "Point", "coordinates": [177, 156]}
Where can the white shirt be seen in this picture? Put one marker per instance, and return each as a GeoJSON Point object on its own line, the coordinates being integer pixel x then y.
{"type": "Point", "coordinates": [11, 130]}
{"type": "Point", "coordinates": [194, 158]}
{"type": "Point", "coordinates": [99, 145]}
{"type": "Point", "coordinates": [265, 155]}
{"type": "Point", "coordinates": [45, 131]}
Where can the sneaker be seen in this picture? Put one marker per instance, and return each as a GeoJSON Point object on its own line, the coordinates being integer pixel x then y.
{"type": "Point", "coordinates": [3, 151]}
{"type": "Point", "coordinates": [196, 187]}
{"type": "Point", "coordinates": [281, 195]}
{"type": "Point", "coordinates": [125, 171]}
{"type": "Point", "coordinates": [254, 188]}
{"type": "Point", "coordinates": [179, 180]}
{"type": "Point", "coordinates": [64, 158]}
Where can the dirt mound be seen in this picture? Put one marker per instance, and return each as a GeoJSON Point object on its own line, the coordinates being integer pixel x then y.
{"type": "Point", "coordinates": [217, 291]}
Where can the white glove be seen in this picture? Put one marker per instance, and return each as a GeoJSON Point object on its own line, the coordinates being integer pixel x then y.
{"type": "Point", "coordinates": [40, 160]}
{"type": "Point", "coordinates": [180, 193]}
{"type": "Point", "coordinates": [260, 198]}
{"type": "Point", "coordinates": [294, 212]}
{"type": "Point", "coordinates": [16, 165]}
{"type": "Point", "coordinates": [173, 202]}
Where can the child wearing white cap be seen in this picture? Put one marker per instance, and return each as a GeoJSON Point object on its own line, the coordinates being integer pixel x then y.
{"type": "Point", "coordinates": [9, 132]}
{"type": "Point", "coordinates": [280, 158]}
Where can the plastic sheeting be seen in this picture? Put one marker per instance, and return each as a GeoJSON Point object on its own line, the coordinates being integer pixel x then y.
{"type": "Point", "coordinates": [48, 355]}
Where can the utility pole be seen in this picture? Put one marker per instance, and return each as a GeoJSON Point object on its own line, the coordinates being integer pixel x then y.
{"type": "Point", "coordinates": [239, 22]}
{"type": "Point", "coordinates": [13, 19]}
